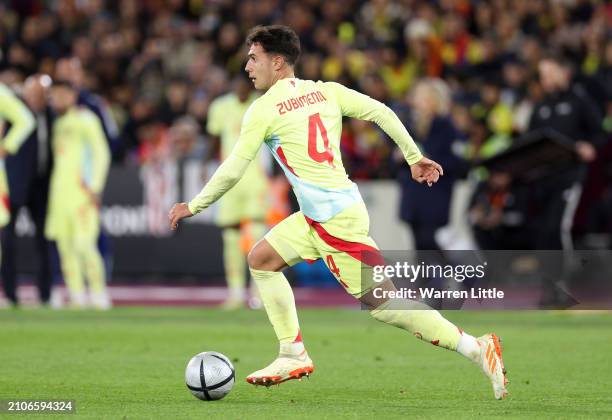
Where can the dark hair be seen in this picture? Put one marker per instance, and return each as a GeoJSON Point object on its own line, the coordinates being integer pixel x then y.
{"type": "Point", "coordinates": [276, 39]}
{"type": "Point", "coordinates": [559, 59]}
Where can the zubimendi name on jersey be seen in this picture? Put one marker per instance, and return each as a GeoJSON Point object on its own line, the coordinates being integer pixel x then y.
{"type": "Point", "coordinates": [300, 102]}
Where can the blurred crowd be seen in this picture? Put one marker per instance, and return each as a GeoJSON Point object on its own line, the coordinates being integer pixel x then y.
{"type": "Point", "coordinates": [154, 66]}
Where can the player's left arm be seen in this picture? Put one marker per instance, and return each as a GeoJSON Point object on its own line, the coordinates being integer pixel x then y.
{"type": "Point", "coordinates": [21, 119]}
{"type": "Point", "coordinates": [357, 105]}
{"type": "Point", "coordinates": [254, 130]}
{"type": "Point", "coordinates": [95, 137]}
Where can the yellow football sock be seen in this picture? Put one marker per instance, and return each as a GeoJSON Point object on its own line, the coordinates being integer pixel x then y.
{"type": "Point", "coordinates": [94, 268]}
{"type": "Point", "coordinates": [235, 264]}
{"type": "Point", "coordinates": [71, 266]}
{"type": "Point", "coordinates": [277, 297]}
{"type": "Point", "coordinates": [419, 319]}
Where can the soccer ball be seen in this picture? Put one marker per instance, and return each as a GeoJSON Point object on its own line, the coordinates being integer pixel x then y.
{"type": "Point", "coordinates": [209, 376]}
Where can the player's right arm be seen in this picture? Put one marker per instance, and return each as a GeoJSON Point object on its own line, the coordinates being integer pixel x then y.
{"type": "Point", "coordinates": [357, 105]}
{"type": "Point", "coordinates": [253, 132]}
{"type": "Point", "coordinates": [21, 119]}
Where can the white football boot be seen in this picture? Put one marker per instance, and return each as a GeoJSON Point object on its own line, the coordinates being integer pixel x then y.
{"type": "Point", "coordinates": [284, 368]}
{"type": "Point", "coordinates": [492, 364]}
{"type": "Point", "coordinates": [101, 300]}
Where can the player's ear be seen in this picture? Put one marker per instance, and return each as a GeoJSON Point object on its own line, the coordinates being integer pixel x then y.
{"type": "Point", "coordinates": [277, 62]}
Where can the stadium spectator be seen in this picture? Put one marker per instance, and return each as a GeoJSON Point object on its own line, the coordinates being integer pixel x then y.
{"type": "Point", "coordinates": [425, 209]}
{"type": "Point", "coordinates": [381, 47]}
{"type": "Point", "coordinates": [187, 142]}
{"type": "Point", "coordinates": [499, 216]}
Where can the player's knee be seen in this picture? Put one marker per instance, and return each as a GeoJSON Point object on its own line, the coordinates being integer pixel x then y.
{"type": "Point", "coordinates": [263, 257]}
{"type": "Point", "coordinates": [256, 258]}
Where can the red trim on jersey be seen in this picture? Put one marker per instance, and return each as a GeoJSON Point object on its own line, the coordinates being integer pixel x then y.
{"type": "Point", "coordinates": [309, 261]}
{"type": "Point", "coordinates": [281, 155]}
{"type": "Point", "coordinates": [6, 201]}
{"type": "Point", "coordinates": [361, 252]}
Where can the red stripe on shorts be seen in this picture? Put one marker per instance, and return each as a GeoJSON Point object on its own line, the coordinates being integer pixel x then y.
{"type": "Point", "coordinates": [361, 252]}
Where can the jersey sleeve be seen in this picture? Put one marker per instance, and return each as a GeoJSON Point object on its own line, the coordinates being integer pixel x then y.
{"type": "Point", "coordinates": [224, 178]}
{"type": "Point", "coordinates": [214, 124]}
{"type": "Point", "coordinates": [254, 130]}
{"type": "Point", "coordinates": [21, 119]}
{"type": "Point", "coordinates": [357, 105]}
{"type": "Point", "coordinates": [94, 135]}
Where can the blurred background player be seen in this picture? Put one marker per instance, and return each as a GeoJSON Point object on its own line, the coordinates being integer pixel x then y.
{"type": "Point", "coordinates": [16, 122]}
{"type": "Point", "coordinates": [242, 211]}
{"type": "Point", "coordinates": [81, 162]}
{"type": "Point", "coordinates": [28, 173]}
{"type": "Point", "coordinates": [71, 69]}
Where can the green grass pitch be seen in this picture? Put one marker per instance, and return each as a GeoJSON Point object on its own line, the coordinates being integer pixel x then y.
{"type": "Point", "coordinates": [129, 363]}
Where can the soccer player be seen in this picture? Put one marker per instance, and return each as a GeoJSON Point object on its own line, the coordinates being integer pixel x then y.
{"type": "Point", "coordinates": [242, 210]}
{"type": "Point", "coordinates": [81, 160]}
{"type": "Point", "coordinates": [300, 121]}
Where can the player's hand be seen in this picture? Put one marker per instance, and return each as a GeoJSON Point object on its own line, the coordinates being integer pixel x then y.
{"type": "Point", "coordinates": [586, 151]}
{"type": "Point", "coordinates": [178, 212]}
{"type": "Point", "coordinates": [93, 197]}
{"type": "Point", "coordinates": [426, 170]}
{"type": "Point", "coordinates": [3, 152]}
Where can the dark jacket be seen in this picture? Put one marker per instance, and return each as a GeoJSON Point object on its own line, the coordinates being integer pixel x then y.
{"type": "Point", "coordinates": [572, 113]}
{"type": "Point", "coordinates": [431, 205]}
{"type": "Point", "coordinates": [23, 169]}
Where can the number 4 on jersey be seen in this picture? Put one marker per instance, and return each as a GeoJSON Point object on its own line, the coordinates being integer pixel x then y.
{"type": "Point", "coordinates": [331, 264]}
{"type": "Point", "coordinates": [316, 125]}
